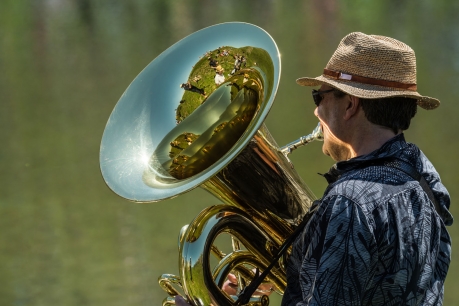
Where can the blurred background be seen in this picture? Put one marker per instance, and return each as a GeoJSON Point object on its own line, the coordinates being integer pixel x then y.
{"type": "Point", "coordinates": [65, 238]}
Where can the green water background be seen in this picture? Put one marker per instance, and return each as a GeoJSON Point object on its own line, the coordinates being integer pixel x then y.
{"type": "Point", "coordinates": [65, 238]}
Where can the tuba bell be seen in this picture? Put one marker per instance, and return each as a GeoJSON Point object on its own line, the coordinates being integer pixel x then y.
{"type": "Point", "coordinates": [194, 117]}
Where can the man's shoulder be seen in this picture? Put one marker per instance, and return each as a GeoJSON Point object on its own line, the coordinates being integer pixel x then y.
{"type": "Point", "coordinates": [369, 191]}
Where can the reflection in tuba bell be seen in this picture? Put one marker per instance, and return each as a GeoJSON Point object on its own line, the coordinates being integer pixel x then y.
{"type": "Point", "coordinates": [194, 117]}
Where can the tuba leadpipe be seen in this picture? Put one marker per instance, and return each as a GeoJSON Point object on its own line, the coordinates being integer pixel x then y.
{"type": "Point", "coordinates": [162, 140]}
{"type": "Point", "coordinates": [304, 140]}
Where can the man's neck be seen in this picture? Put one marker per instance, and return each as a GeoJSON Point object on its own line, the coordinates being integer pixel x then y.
{"type": "Point", "coordinates": [368, 139]}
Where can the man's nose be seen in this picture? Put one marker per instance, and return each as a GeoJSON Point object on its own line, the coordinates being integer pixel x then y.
{"type": "Point", "coordinates": [316, 113]}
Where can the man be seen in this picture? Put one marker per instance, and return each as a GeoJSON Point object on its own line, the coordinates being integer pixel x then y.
{"type": "Point", "coordinates": [376, 237]}
{"type": "Point", "coordinates": [190, 87]}
{"type": "Point", "coordinates": [212, 62]}
{"type": "Point", "coordinates": [219, 77]}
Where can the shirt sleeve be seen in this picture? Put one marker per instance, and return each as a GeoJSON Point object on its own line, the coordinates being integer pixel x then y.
{"type": "Point", "coordinates": [337, 266]}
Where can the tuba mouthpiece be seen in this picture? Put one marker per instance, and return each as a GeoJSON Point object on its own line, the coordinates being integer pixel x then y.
{"type": "Point", "coordinates": [304, 140]}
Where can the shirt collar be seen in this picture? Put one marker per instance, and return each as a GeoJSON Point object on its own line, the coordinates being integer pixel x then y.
{"type": "Point", "coordinates": [390, 148]}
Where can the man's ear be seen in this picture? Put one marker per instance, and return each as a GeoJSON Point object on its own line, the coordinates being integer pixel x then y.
{"type": "Point", "coordinates": [352, 107]}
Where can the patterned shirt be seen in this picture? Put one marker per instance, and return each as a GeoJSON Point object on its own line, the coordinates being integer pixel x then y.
{"type": "Point", "coordinates": [376, 238]}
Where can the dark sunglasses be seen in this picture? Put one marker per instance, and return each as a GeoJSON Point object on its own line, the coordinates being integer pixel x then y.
{"type": "Point", "coordinates": [317, 95]}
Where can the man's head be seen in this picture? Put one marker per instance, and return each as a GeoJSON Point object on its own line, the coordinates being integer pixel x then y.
{"type": "Point", "coordinates": [372, 67]}
{"type": "Point", "coordinates": [368, 94]}
{"type": "Point", "coordinates": [394, 113]}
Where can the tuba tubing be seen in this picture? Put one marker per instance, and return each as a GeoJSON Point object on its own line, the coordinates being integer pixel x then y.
{"type": "Point", "coordinates": [195, 251]}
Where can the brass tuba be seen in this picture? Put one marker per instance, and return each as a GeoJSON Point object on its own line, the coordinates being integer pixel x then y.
{"type": "Point", "coordinates": [194, 117]}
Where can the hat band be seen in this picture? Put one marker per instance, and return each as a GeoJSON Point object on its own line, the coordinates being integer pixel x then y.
{"type": "Point", "coordinates": [371, 81]}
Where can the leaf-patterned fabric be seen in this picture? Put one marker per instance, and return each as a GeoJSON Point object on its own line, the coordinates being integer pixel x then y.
{"type": "Point", "coordinates": [376, 239]}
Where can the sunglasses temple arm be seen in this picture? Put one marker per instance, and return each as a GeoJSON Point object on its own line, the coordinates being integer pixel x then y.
{"type": "Point", "coordinates": [304, 140]}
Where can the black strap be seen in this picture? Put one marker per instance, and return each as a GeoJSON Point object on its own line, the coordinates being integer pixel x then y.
{"type": "Point", "coordinates": [246, 293]}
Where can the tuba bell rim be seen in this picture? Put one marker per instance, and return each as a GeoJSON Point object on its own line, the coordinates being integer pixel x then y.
{"type": "Point", "coordinates": [118, 174]}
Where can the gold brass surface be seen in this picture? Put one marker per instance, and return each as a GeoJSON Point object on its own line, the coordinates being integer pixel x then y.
{"type": "Point", "coordinates": [162, 140]}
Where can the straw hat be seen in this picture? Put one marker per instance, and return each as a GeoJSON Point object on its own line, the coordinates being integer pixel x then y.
{"type": "Point", "coordinates": [219, 68]}
{"type": "Point", "coordinates": [371, 67]}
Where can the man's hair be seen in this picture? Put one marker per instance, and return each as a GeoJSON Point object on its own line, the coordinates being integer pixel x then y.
{"type": "Point", "coordinates": [394, 113]}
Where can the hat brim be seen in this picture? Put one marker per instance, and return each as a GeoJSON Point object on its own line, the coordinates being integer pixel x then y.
{"type": "Point", "coordinates": [368, 91]}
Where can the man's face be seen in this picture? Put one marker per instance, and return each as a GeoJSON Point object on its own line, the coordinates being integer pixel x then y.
{"type": "Point", "coordinates": [330, 113]}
